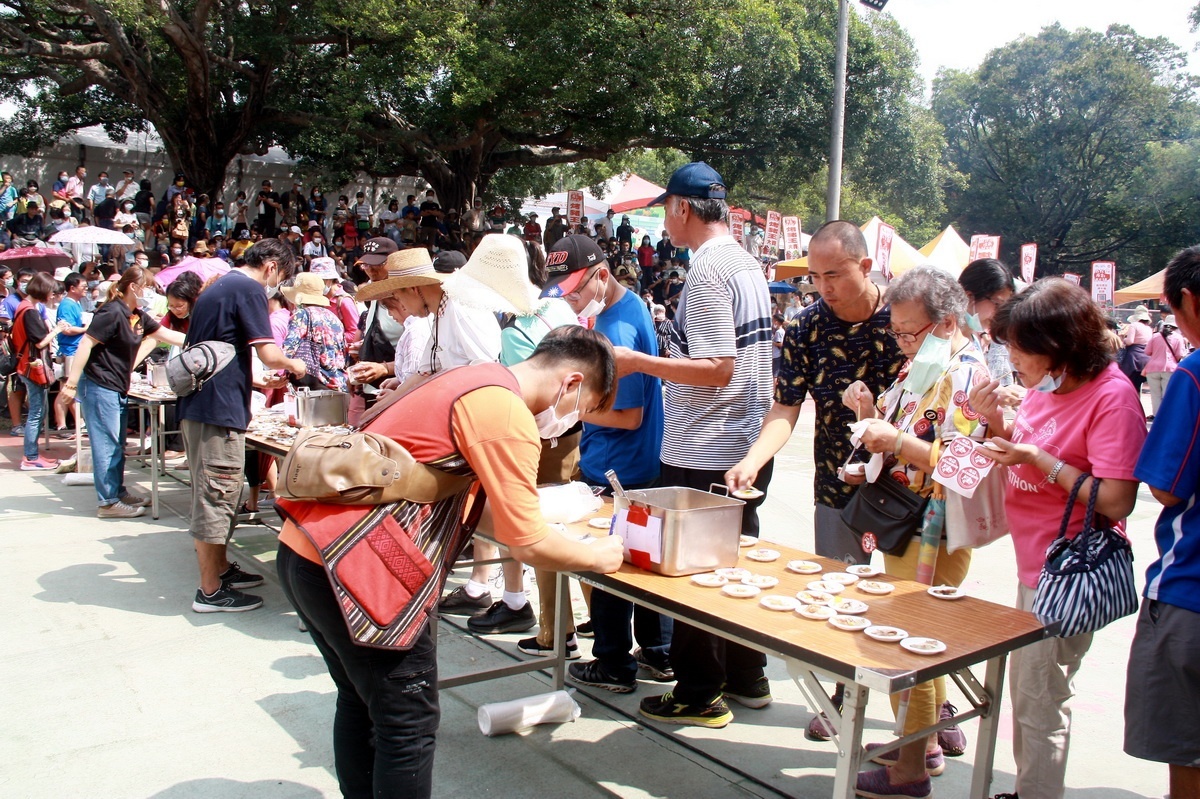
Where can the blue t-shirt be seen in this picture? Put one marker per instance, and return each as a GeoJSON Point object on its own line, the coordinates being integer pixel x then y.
{"type": "Point", "coordinates": [633, 454]}
{"type": "Point", "coordinates": [1170, 461]}
{"type": "Point", "coordinates": [71, 312]}
{"type": "Point", "coordinates": [233, 310]}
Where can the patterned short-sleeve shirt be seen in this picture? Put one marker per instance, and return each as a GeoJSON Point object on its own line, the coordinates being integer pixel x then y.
{"type": "Point", "coordinates": [822, 355]}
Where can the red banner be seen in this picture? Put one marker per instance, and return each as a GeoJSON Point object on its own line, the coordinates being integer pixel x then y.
{"type": "Point", "coordinates": [1104, 282]}
{"type": "Point", "coordinates": [574, 208]}
{"type": "Point", "coordinates": [737, 226]}
{"type": "Point", "coordinates": [774, 222]}
{"type": "Point", "coordinates": [791, 236]}
{"type": "Point", "coordinates": [1028, 262]}
{"type": "Point", "coordinates": [985, 247]}
{"type": "Point", "coordinates": [883, 248]}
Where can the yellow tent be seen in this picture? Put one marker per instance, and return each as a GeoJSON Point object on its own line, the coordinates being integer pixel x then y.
{"type": "Point", "coordinates": [904, 255]}
{"type": "Point", "coordinates": [1149, 289]}
{"type": "Point", "coordinates": [948, 251]}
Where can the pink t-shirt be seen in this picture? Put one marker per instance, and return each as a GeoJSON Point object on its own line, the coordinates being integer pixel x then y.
{"type": "Point", "coordinates": [1099, 428]}
{"type": "Point", "coordinates": [1164, 354]}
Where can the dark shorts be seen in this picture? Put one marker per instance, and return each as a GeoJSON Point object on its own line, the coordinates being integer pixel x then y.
{"type": "Point", "coordinates": [1162, 688]}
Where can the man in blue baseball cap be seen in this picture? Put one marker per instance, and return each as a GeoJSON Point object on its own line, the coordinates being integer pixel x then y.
{"type": "Point", "coordinates": [718, 389]}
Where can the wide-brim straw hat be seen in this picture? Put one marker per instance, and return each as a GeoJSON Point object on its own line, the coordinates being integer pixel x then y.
{"type": "Point", "coordinates": [406, 269]}
{"type": "Point", "coordinates": [306, 289]}
{"type": "Point", "coordinates": [495, 278]}
{"type": "Point", "coordinates": [1140, 314]}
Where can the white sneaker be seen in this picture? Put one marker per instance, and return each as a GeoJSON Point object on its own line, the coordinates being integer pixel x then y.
{"type": "Point", "coordinates": [119, 510]}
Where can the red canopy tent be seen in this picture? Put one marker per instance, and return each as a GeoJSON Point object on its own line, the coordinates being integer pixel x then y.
{"type": "Point", "coordinates": [749, 217]}
{"type": "Point", "coordinates": [636, 193]}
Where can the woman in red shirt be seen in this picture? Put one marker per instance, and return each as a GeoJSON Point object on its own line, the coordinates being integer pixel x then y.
{"type": "Point", "coordinates": [646, 253]}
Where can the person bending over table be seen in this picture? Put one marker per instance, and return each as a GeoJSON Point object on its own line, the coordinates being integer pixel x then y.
{"type": "Point", "coordinates": [924, 409]}
{"type": "Point", "coordinates": [386, 718]}
{"type": "Point", "coordinates": [100, 375]}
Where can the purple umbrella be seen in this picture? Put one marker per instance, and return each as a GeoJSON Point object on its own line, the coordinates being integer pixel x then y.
{"type": "Point", "coordinates": [40, 259]}
{"type": "Point", "coordinates": [205, 268]}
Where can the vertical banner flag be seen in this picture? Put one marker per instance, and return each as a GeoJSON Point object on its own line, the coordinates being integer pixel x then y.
{"type": "Point", "coordinates": [985, 247]}
{"type": "Point", "coordinates": [1071, 277]}
{"type": "Point", "coordinates": [1104, 279]}
{"type": "Point", "coordinates": [574, 208]}
{"type": "Point", "coordinates": [774, 221]}
{"type": "Point", "coordinates": [883, 248]}
{"type": "Point", "coordinates": [791, 236]}
{"type": "Point", "coordinates": [1028, 262]}
{"type": "Point", "coordinates": [737, 226]}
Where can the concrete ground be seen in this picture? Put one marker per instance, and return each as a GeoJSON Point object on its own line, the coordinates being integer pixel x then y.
{"type": "Point", "coordinates": [114, 688]}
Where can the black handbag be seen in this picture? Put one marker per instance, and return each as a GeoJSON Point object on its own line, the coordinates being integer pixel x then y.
{"type": "Point", "coordinates": [884, 515]}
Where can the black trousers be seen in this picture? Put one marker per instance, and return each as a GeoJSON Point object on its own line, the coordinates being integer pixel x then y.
{"type": "Point", "coordinates": [705, 663]}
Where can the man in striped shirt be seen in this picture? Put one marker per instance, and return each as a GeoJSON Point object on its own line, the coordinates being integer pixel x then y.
{"type": "Point", "coordinates": [718, 389]}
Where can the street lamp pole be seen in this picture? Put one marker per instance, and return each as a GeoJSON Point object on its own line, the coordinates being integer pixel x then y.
{"type": "Point", "coordinates": [833, 190]}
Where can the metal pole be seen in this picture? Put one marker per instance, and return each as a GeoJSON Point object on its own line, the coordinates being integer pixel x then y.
{"type": "Point", "coordinates": [833, 192]}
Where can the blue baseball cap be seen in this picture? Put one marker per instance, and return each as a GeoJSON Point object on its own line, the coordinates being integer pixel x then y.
{"type": "Point", "coordinates": [696, 179]}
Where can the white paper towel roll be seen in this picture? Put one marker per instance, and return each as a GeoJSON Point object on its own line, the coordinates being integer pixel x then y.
{"type": "Point", "coordinates": [500, 718]}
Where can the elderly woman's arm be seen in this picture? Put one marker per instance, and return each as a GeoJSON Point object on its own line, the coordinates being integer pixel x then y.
{"type": "Point", "coordinates": [1116, 499]}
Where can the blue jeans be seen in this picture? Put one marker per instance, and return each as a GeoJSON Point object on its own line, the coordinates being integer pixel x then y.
{"type": "Point", "coordinates": [35, 418]}
{"type": "Point", "coordinates": [386, 717]}
{"type": "Point", "coordinates": [106, 413]}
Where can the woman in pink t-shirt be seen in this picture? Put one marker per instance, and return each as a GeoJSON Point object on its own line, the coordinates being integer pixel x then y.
{"type": "Point", "coordinates": [1079, 416]}
{"type": "Point", "coordinates": [1163, 353]}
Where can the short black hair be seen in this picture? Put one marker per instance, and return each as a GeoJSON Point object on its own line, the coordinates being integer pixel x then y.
{"type": "Point", "coordinates": [985, 278]}
{"type": "Point", "coordinates": [586, 350]}
{"type": "Point", "coordinates": [847, 234]}
{"type": "Point", "coordinates": [272, 250]}
{"type": "Point", "coordinates": [72, 280]}
{"type": "Point", "coordinates": [1183, 272]}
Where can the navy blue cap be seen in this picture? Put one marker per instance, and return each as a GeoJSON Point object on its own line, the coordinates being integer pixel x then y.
{"type": "Point", "coordinates": [696, 179]}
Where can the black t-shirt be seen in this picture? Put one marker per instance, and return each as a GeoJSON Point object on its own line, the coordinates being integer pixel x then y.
{"type": "Point", "coordinates": [625, 233]}
{"type": "Point", "coordinates": [105, 211]}
{"type": "Point", "coordinates": [118, 332]}
{"type": "Point", "coordinates": [429, 220]}
{"type": "Point", "coordinates": [267, 215]}
{"type": "Point", "coordinates": [141, 202]}
{"type": "Point", "coordinates": [233, 310]}
{"type": "Point", "coordinates": [26, 227]}
{"type": "Point", "coordinates": [33, 327]}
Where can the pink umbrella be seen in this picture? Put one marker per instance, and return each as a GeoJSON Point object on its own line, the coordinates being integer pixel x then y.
{"type": "Point", "coordinates": [205, 268]}
{"type": "Point", "coordinates": [41, 259]}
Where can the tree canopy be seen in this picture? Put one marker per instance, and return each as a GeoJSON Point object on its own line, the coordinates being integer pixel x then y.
{"type": "Point", "coordinates": [1062, 136]}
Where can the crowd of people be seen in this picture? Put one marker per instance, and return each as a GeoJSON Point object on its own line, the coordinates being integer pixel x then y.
{"type": "Point", "coordinates": [551, 355]}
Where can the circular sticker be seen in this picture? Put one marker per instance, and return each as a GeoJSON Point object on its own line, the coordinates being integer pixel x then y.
{"type": "Point", "coordinates": [947, 467]}
{"type": "Point", "coordinates": [921, 427]}
{"type": "Point", "coordinates": [979, 460]}
{"type": "Point", "coordinates": [869, 543]}
{"type": "Point", "coordinates": [968, 478]}
{"type": "Point", "coordinates": [961, 447]}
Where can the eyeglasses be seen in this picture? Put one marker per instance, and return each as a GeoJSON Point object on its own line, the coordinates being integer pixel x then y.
{"type": "Point", "coordinates": [579, 289]}
{"type": "Point", "coordinates": [907, 338]}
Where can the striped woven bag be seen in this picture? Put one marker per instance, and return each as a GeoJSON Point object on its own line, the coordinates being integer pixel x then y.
{"type": "Point", "coordinates": [1086, 582]}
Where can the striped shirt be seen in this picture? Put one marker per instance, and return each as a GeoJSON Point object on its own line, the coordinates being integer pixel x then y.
{"type": "Point", "coordinates": [724, 312]}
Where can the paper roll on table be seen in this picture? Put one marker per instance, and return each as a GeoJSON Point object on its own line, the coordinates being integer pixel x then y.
{"type": "Point", "coordinates": [500, 718]}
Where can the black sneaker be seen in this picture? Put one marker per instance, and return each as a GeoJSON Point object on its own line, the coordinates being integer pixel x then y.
{"type": "Point", "coordinates": [225, 600]}
{"type": "Point", "coordinates": [530, 646]}
{"type": "Point", "coordinates": [662, 673]}
{"type": "Point", "coordinates": [594, 673]}
{"type": "Point", "coordinates": [756, 696]}
{"type": "Point", "coordinates": [459, 603]}
{"type": "Point", "coordinates": [235, 578]}
{"type": "Point", "coordinates": [586, 630]}
{"type": "Point", "coordinates": [500, 618]}
{"type": "Point", "coordinates": [714, 714]}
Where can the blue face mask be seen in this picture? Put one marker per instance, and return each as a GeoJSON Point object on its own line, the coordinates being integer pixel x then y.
{"type": "Point", "coordinates": [1049, 383]}
{"type": "Point", "coordinates": [974, 323]}
{"type": "Point", "coordinates": [928, 364]}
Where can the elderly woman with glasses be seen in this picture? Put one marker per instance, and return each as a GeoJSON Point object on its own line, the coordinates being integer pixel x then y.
{"type": "Point", "coordinates": [909, 425]}
{"type": "Point", "coordinates": [113, 344]}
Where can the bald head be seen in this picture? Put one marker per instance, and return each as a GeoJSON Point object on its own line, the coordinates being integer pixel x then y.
{"type": "Point", "coordinates": [845, 234]}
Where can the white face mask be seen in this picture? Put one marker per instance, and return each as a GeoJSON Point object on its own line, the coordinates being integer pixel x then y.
{"type": "Point", "coordinates": [595, 304]}
{"type": "Point", "coordinates": [550, 424]}
{"type": "Point", "coordinates": [1049, 383]}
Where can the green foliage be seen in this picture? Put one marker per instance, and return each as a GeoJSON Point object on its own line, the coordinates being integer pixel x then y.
{"type": "Point", "coordinates": [1063, 138]}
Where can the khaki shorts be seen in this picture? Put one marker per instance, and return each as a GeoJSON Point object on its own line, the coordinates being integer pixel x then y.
{"type": "Point", "coordinates": [217, 461]}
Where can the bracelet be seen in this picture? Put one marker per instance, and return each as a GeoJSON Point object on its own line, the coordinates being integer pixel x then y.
{"type": "Point", "coordinates": [70, 386]}
{"type": "Point", "coordinates": [899, 442]}
{"type": "Point", "coordinates": [1053, 476]}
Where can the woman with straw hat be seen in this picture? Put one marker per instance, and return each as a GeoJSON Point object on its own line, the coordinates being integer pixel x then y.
{"type": "Point", "coordinates": [315, 335]}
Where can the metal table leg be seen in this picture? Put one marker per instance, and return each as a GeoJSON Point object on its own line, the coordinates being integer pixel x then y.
{"type": "Point", "coordinates": [850, 751]}
{"type": "Point", "coordinates": [989, 725]}
{"type": "Point", "coordinates": [155, 413]}
{"type": "Point", "coordinates": [562, 583]}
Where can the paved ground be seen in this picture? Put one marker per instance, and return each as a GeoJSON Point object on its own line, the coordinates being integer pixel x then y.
{"type": "Point", "coordinates": [113, 688]}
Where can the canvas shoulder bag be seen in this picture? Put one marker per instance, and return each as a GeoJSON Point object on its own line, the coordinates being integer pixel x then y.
{"type": "Point", "coordinates": [1086, 582]}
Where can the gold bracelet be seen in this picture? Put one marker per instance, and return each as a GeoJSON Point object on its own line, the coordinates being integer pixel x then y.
{"type": "Point", "coordinates": [899, 442]}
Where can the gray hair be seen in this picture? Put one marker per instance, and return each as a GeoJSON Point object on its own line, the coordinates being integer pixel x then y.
{"type": "Point", "coordinates": [938, 292]}
{"type": "Point", "coordinates": [707, 210]}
